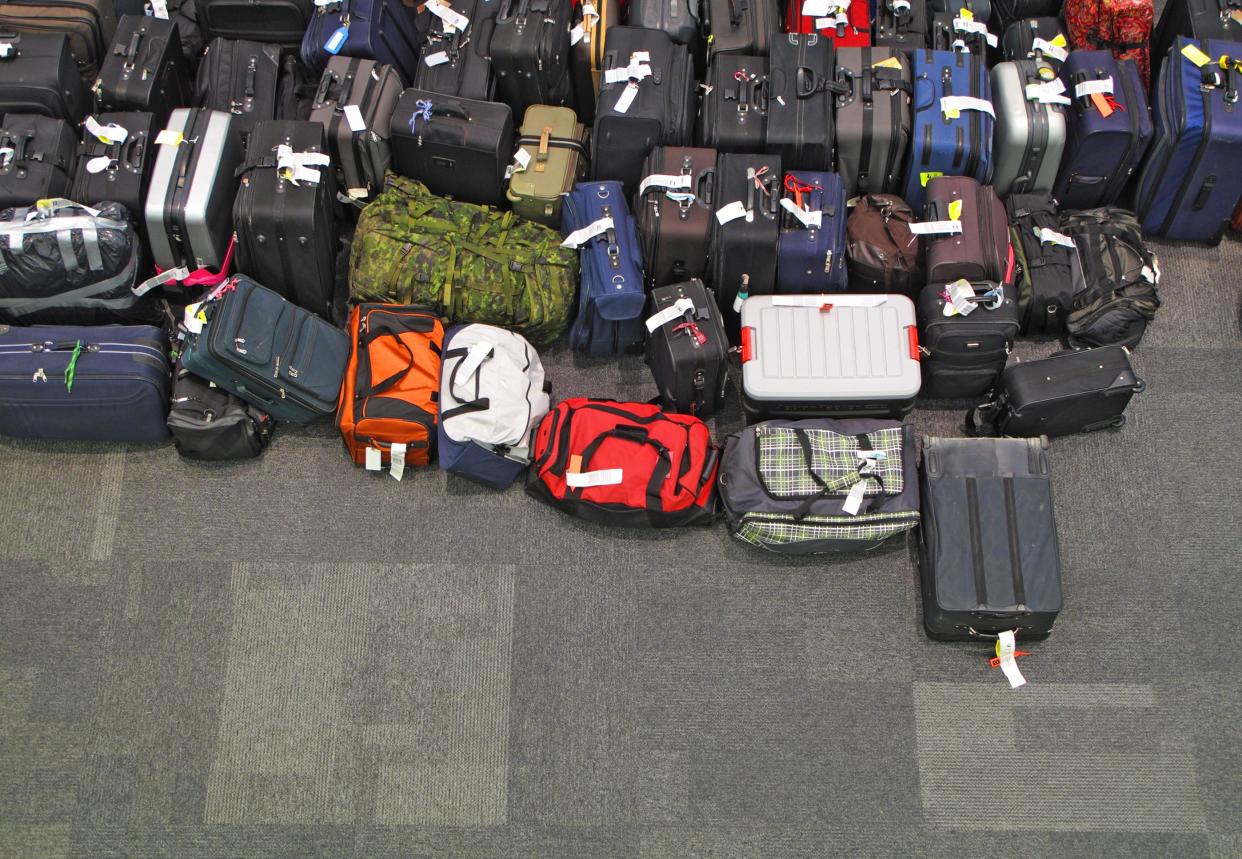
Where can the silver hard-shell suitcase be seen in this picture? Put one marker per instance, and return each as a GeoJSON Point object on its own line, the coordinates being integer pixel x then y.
{"type": "Point", "coordinates": [1030, 127]}
{"type": "Point", "coordinates": [835, 355]}
{"type": "Point", "coordinates": [189, 206]}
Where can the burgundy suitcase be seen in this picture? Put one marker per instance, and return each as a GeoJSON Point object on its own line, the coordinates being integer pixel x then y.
{"type": "Point", "coordinates": [674, 214]}
{"type": "Point", "coordinates": [980, 251]}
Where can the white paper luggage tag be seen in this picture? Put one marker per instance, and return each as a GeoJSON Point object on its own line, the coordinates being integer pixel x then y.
{"type": "Point", "coordinates": [953, 105]}
{"type": "Point", "coordinates": [1048, 49]}
{"type": "Point", "coordinates": [396, 467]}
{"type": "Point", "coordinates": [575, 34]}
{"type": "Point", "coordinates": [353, 116]}
{"type": "Point", "coordinates": [159, 9]}
{"type": "Point", "coordinates": [965, 25]}
{"type": "Point", "coordinates": [169, 276]}
{"type": "Point", "coordinates": [521, 160]}
{"type": "Point", "coordinates": [578, 238]}
{"type": "Point", "coordinates": [375, 459]}
{"type": "Point", "coordinates": [853, 501]}
{"type": "Point", "coordinates": [1104, 86]}
{"type": "Point", "coordinates": [453, 20]}
{"type": "Point", "coordinates": [947, 228]}
{"type": "Point", "coordinates": [1048, 92]}
{"type": "Point", "coordinates": [604, 477]}
{"type": "Point", "coordinates": [665, 180]}
{"type": "Point", "coordinates": [959, 299]}
{"type": "Point", "coordinates": [824, 8]}
{"type": "Point", "coordinates": [1006, 645]}
{"type": "Point", "coordinates": [1050, 236]}
{"type": "Point", "coordinates": [677, 310]}
{"type": "Point", "coordinates": [475, 356]}
{"type": "Point", "coordinates": [731, 212]}
{"type": "Point", "coordinates": [98, 164]}
{"type": "Point", "coordinates": [439, 58]}
{"type": "Point", "coordinates": [298, 167]}
{"type": "Point", "coordinates": [812, 220]}
{"type": "Point", "coordinates": [110, 133]}
{"type": "Point", "coordinates": [626, 98]}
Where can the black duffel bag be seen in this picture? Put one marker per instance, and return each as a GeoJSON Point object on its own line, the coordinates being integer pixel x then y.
{"type": "Point", "coordinates": [210, 424]}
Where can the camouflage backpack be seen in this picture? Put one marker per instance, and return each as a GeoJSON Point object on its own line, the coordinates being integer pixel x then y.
{"type": "Point", "coordinates": [472, 263]}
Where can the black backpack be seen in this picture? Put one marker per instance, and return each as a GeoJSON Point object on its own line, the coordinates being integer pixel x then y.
{"type": "Point", "coordinates": [1047, 273]}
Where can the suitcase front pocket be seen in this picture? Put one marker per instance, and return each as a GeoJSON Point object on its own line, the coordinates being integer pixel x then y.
{"type": "Point", "coordinates": [795, 463]}
{"type": "Point", "coordinates": [314, 361]}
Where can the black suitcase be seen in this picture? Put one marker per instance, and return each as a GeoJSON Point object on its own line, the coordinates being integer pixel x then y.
{"type": "Point", "coordinates": [660, 110]}
{"type": "Point", "coordinates": [530, 53]}
{"type": "Point", "coordinates": [1005, 12]}
{"type": "Point", "coordinates": [901, 24]}
{"type": "Point", "coordinates": [358, 142]}
{"type": "Point", "coordinates": [457, 63]}
{"type": "Point", "coordinates": [1018, 41]}
{"type": "Point", "coordinates": [1047, 273]}
{"type": "Point", "coordinates": [1196, 19]}
{"type": "Point", "coordinates": [873, 122]}
{"type": "Point", "coordinates": [674, 217]}
{"type": "Point", "coordinates": [89, 24]}
{"type": "Point", "coordinates": [145, 70]}
{"type": "Point", "coordinates": [37, 155]}
{"type": "Point", "coordinates": [241, 78]}
{"type": "Point", "coordinates": [800, 91]}
{"type": "Point", "coordinates": [989, 559]}
{"type": "Point", "coordinates": [734, 113]}
{"type": "Point", "coordinates": [457, 147]}
{"type": "Point", "coordinates": [678, 18]}
{"type": "Point", "coordinates": [211, 425]}
{"type": "Point", "coordinates": [740, 26]}
{"type": "Point", "coordinates": [126, 173]}
{"type": "Point", "coordinates": [1074, 391]}
{"type": "Point", "coordinates": [743, 249]}
{"type": "Point", "coordinates": [281, 21]}
{"type": "Point", "coordinates": [282, 216]}
{"type": "Point", "coordinates": [687, 348]}
{"type": "Point", "coordinates": [964, 355]}
{"type": "Point", "coordinates": [38, 75]}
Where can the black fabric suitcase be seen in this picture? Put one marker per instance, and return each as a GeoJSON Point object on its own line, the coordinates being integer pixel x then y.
{"type": "Point", "coordinates": [1047, 272]}
{"type": "Point", "coordinates": [145, 70]}
{"type": "Point", "coordinates": [1074, 391]}
{"type": "Point", "coordinates": [901, 24]}
{"type": "Point", "coordinates": [241, 78]}
{"type": "Point", "coordinates": [800, 91]}
{"type": "Point", "coordinates": [286, 234]}
{"type": "Point", "coordinates": [457, 63]}
{"type": "Point", "coordinates": [89, 25]}
{"type": "Point", "coordinates": [989, 559]}
{"type": "Point", "coordinates": [742, 251]}
{"type": "Point", "coordinates": [687, 348]}
{"type": "Point", "coordinates": [963, 355]}
{"type": "Point", "coordinates": [358, 142]}
{"type": "Point", "coordinates": [734, 113]}
{"type": "Point", "coordinates": [1036, 39]}
{"type": "Point", "coordinates": [741, 26]}
{"type": "Point", "coordinates": [530, 53]}
{"type": "Point", "coordinates": [678, 18]}
{"type": "Point", "coordinates": [126, 174]}
{"type": "Point", "coordinates": [281, 21]}
{"type": "Point", "coordinates": [873, 119]}
{"type": "Point", "coordinates": [674, 214]}
{"type": "Point", "coordinates": [37, 157]}
{"type": "Point", "coordinates": [211, 425]}
{"type": "Point", "coordinates": [38, 75]}
{"type": "Point", "coordinates": [661, 113]}
{"type": "Point", "coordinates": [91, 383]}
{"type": "Point", "coordinates": [457, 147]}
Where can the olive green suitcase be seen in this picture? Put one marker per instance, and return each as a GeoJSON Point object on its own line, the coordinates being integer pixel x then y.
{"type": "Point", "coordinates": [556, 158]}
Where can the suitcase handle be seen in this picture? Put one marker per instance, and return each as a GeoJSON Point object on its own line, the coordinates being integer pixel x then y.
{"type": "Point", "coordinates": [131, 53]}
{"type": "Point", "coordinates": [847, 80]}
{"type": "Point", "coordinates": [705, 190]}
{"type": "Point", "coordinates": [451, 108]}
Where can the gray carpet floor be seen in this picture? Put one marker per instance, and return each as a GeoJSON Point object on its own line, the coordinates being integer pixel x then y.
{"type": "Point", "coordinates": [291, 657]}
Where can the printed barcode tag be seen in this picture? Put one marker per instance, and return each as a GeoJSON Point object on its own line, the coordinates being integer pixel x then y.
{"type": "Point", "coordinates": [1104, 87]}
{"type": "Point", "coordinates": [453, 20]}
{"type": "Point", "coordinates": [159, 9]}
{"type": "Point", "coordinates": [854, 500]}
{"type": "Point", "coordinates": [810, 220]}
{"type": "Point", "coordinates": [336, 41]}
{"type": "Point", "coordinates": [579, 237]}
{"type": "Point", "coordinates": [169, 137]}
{"type": "Point", "coordinates": [948, 228]}
{"type": "Point", "coordinates": [99, 164]}
{"type": "Point", "coordinates": [439, 58]}
{"type": "Point", "coordinates": [110, 133]}
{"type": "Point", "coordinates": [191, 320]}
{"type": "Point", "coordinates": [1052, 92]}
{"type": "Point", "coordinates": [575, 35]}
{"type": "Point", "coordinates": [604, 477]}
{"type": "Point", "coordinates": [1006, 645]}
{"type": "Point", "coordinates": [676, 311]}
{"type": "Point", "coordinates": [1049, 50]}
{"type": "Point", "coordinates": [166, 277]}
{"type": "Point", "coordinates": [1050, 236]}
{"type": "Point", "coordinates": [375, 459]}
{"type": "Point", "coordinates": [353, 116]}
{"type": "Point", "coordinates": [640, 57]}
{"type": "Point", "coordinates": [953, 105]}
{"type": "Point", "coordinates": [731, 212]}
{"type": "Point", "coordinates": [397, 465]}
{"type": "Point", "coordinates": [960, 295]}
{"type": "Point", "coordinates": [626, 98]}
{"type": "Point", "coordinates": [665, 180]}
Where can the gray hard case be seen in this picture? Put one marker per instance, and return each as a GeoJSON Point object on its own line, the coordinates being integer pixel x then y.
{"type": "Point", "coordinates": [1030, 135]}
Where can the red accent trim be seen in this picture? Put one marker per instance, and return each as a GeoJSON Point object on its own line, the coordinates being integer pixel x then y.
{"type": "Point", "coordinates": [748, 344]}
{"type": "Point", "coordinates": [1008, 281]}
{"type": "Point", "coordinates": [913, 332]}
{"type": "Point", "coordinates": [205, 276]}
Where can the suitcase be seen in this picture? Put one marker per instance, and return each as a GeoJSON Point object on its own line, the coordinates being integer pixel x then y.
{"type": "Point", "coordinates": [1070, 392]}
{"type": "Point", "coordinates": [38, 75]}
{"type": "Point", "coordinates": [734, 112]}
{"type": "Point", "coordinates": [902, 24]}
{"type": "Point", "coordinates": [185, 14]}
{"type": "Point", "coordinates": [979, 10]}
{"type": "Point", "coordinates": [189, 207]}
{"type": "Point", "coordinates": [387, 31]}
{"type": "Point", "coordinates": [1102, 152]}
{"type": "Point", "coordinates": [125, 175]}
{"type": "Point", "coordinates": [953, 119]}
{"type": "Point", "coordinates": [1036, 39]}
{"type": "Point", "coordinates": [586, 54]}
{"type": "Point", "coordinates": [611, 295]}
{"type": "Point", "coordinates": [988, 554]}
{"type": "Point", "coordinates": [37, 158]}
{"type": "Point", "coordinates": [1198, 20]}
{"type": "Point", "coordinates": [810, 257]}
{"type": "Point", "coordinates": [145, 70]}
{"type": "Point", "coordinates": [687, 348]}
{"type": "Point", "coordinates": [556, 150]}
{"type": "Point", "coordinates": [1030, 127]}
{"type": "Point", "coordinates": [89, 25]}
{"type": "Point", "coordinates": [530, 53]}
{"type": "Point", "coordinates": [283, 22]}
{"type": "Point", "coordinates": [282, 216]}
{"type": "Point", "coordinates": [1120, 26]}
{"type": "Point", "coordinates": [457, 147]}
{"type": "Point", "coordinates": [674, 215]}
{"type": "Point", "coordinates": [653, 114]}
{"type": "Point", "coordinates": [829, 356]}
{"type": "Point", "coordinates": [952, 33]}
{"type": "Point", "coordinates": [357, 141]}
{"type": "Point", "coordinates": [456, 62]}
{"type": "Point", "coordinates": [801, 87]}
{"type": "Point", "coordinates": [964, 355]}
{"type": "Point", "coordinates": [740, 26]}
{"type": "Point", "coordinates": [1047, 274]}
{"type": "Point", "coordinates": [1006, 13]}
{"type": "Point", "coordinates": [846, 26]}
{"type": "Point", "coordinates": [273, 354]}
{"type": "Point", "coordinates": [873, 122]}
{"type": "Point", "coordinates": [678, 18]}
{"type": "Point", "coordinates": [96, 383]}
{"type": "Point", "coordinates": [1190, 184]}
{"type": "Point", "coordinates": [981, 250]}
{"type": "Point", "coordinates": [745, 229]}
{"type": "Point", "coordinates": [240, 78]}
{"type": "Point", "coordinates": [208, 424]}
{"type": "Point", "coordinates": [884, 256]}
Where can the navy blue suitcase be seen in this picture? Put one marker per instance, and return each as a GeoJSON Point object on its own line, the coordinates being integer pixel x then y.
{"type": "Point", "coordinates": [808, 258]}
{"type": "Point", "coordinates": [383, 30]}
{"type": "Point", "coordinates": [1191, 181]}
{"type": "Point", "coordinates": [611, 297]}
{"type": "Point", "coordinates": [944, 144]}
{"type": "Point", "coordinates": [92, 383]}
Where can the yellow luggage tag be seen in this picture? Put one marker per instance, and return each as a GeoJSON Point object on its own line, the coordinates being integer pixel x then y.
{"type": "Point", "coordinates": [1196, 56]}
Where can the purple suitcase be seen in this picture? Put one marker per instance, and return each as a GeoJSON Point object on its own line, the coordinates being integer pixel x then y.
{"type": "Point", "coordinates": [981, 251]}
{"type": "Point", "coordinates": [1101, 153]}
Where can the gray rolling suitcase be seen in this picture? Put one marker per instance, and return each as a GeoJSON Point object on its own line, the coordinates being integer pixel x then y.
{"type": "Point", "coordinates": [1030, 127]}
{"type": "Point", "coordinates": [873, 119]}
{"type": "Point", "coordinates": [190, 200]}
{"type": "Point", "coordinates": [837, 355]}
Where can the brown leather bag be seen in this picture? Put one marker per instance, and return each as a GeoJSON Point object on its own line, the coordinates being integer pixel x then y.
{"type": "Point", "coordinates": [884, 256]}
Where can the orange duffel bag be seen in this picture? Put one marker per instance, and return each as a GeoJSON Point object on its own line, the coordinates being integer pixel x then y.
{"type": "Point", "coordinates": [391, 391]}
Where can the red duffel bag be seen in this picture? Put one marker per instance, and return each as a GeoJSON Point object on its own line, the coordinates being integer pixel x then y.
{"type": "Point", "coordinates": [624, 464]}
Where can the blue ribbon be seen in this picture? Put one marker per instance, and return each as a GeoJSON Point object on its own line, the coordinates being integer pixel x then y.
{"type": "Point", "coordinates": [422, 108]}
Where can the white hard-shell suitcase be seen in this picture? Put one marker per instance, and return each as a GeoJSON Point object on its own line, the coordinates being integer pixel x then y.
{"type": "Point", "coordinates": [834, 355]}
{"type": "Point", "coordinates": [1030, 127]}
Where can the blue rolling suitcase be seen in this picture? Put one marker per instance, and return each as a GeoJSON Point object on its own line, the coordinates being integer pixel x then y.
{"type": "Point", "coordinates": [94, 383]}
{"type": "Point", "coordinates": [953, 120]}
{"type": "Point", "coordinates": [1191, 181]}
{"type": "Point", "coordinates": [611, 297]}
{"type": "Point", "coordinates": [811, 258]}
{"type": "Point", "coordinates": [383, 30]}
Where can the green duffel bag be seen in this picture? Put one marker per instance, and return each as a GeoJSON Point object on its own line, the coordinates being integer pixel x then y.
{"type": "Point", "coordinates": [472, 263]}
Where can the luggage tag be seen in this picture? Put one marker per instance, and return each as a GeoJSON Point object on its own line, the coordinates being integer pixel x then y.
{"type": "Point", "coordinates": [1103, 86]}
{"type": "Point", "coordinates": [353, 117]}
{"type": "Point", "coordinates": [1048, 92]}
{"type": "Point", "coordinates": [1196, 56]}
{"type": "Point", "coordinates": [603, 477]}
{"type": "Point", "coordinates": [375, 459]}
{"type": "Point", "coordinates": [6, 154]}
{"type": "Point", "coordinates": [953, 105]}
{"type": "Point", "coordinates": [743, 293]}
{"type": "Point", "coordinates": [578, 238]}
{"type": "Point", "coordinates": [521, 160]}
{"type": "Point", "coordinates": [959, 298]}
{"type": "Point", "coordinates": [98, 164]}
{"type": "Point", "coordinates": [936, 228]}
{"type": "Point", "coordinates": [298, 167]}
{"type": "Point", "coordinates": [6, 50]}
{"type": "Point", "coordinates": [576, 35]}
{"type": "Point", "coordinates": [890, 63]}
{"type": "Point", "coordinates": [337, 40]}
{"type": "Point", "coordinates": [169, 137]}
{"type": "Point", "coordinates": [453, 20]}
{"type": "Point", "coordinates": [677, 310]}
{"type": "Point", "coordinates": [970, 25]}
{"type": "Point", "coordinates": [626, 98]}
{"type": "Point", "coordinates": [1051, 49]}
{"type": "Point", "coordinates": [157, 9]}
{"type": "Point", "coordinates": [194, 318]}
{"type": "Point", "coordinates": [172, 274]}
{"type": "Point", "coordinates": [924, 178]}
{"type": "Point", "coordinates": [107, 134]}
{"type": "Point", "coordinates": [731, 212]}
{"type": "Point", "coordinates": [439, 58]}
{"type": "Point", "coordinates": [678, 182]}
{"type": "Point", "coordinates": [811, 220]}
{"type": "Point", "coordinates": [1006, 647]}
{"type": "Point", "coordinates": [396, 467]}
{"type": "Point", "coordinates": [1046, 236]}
{"type": "Point", "coordinates": [818, 8]}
